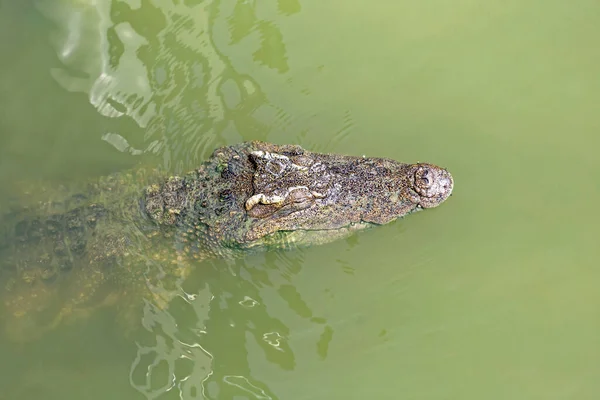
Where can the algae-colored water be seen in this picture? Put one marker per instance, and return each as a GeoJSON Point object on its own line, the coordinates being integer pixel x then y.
{"type": "Point", "coordinates": [494, 295]}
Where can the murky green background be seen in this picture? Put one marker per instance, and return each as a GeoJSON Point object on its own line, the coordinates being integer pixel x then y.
{"type": "Point", "coordinates": [494, 295]}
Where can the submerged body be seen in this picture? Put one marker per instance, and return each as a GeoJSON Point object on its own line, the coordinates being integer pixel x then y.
{"type": "Point", "coordinates": [250, 196]}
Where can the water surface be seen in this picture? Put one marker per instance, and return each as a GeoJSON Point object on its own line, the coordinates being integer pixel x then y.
{"type": "Point", "coordinates": [493, 295]}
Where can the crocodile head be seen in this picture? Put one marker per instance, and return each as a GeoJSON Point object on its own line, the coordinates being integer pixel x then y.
{"type": "Point", "coordinates": [258, 194]}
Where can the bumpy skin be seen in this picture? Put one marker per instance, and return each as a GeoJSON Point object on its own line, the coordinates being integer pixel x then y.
{"type": "Point", "coordinates": [56, 257]}
{"type": "Point", "coordinates": [250, 196]}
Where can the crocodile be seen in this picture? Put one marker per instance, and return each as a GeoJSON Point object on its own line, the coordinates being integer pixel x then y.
{"type": "Point", "coordinates": [64, 258]}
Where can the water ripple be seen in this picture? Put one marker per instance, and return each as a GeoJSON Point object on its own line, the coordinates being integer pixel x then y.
{"type": "Point", "coordinates": [158, 64]}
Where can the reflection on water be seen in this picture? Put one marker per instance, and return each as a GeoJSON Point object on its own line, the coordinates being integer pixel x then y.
{"type": "Point", "coordinates": [157, 63]}
{"type": "Point", "coordinates": [201, 344]}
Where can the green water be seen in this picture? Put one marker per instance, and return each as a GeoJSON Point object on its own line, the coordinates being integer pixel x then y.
{"type": "Point", "coordinates": [494, 295]}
